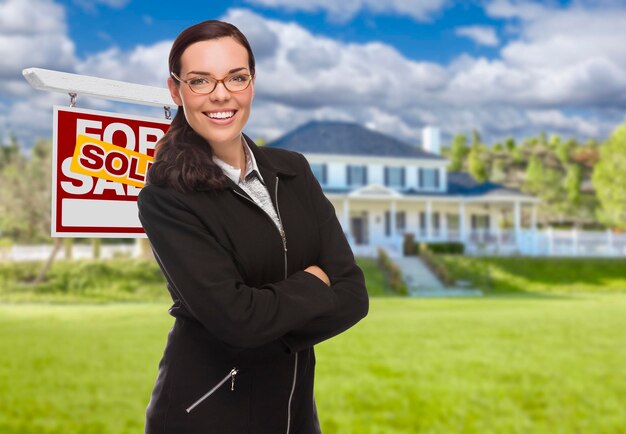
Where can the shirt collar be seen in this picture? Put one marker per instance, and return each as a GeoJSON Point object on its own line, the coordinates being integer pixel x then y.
{"type": "Point", "coordinates": [234, 173]}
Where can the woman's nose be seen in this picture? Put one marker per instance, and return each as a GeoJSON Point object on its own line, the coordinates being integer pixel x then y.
{"type": "Point", "coordinates": [220, 93]}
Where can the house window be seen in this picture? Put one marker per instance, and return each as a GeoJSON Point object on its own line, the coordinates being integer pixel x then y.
{"type": "Point", "coordinates": [480, 221]}
{"type": "Point", "coordinates": [436, 222]}
{"type": "Point", "coordinates": [357, 175]}
{"type": "Point", "coordinates": [428, 178]}
{"type": "Point", "coordinates": [394, 176]}
{"type": "Point", "coordinates": [454, 222]}
{"type": "Point", "coordinates": [400, 222]}
{"type": "Point", "coordinates": [319, 170]}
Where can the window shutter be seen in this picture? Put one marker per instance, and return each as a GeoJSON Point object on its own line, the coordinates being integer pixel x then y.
{"type": "Point", "coordinates": [402, 176]}
{"type": "Point", "coordinates": [387, 226]}
{"type": "Point", "coordinates": [386, 176]}
{"type": "Point", "coordinates": [324, 174]}
{"type": "Point", "coordinates": [365, 175]}
{"type": "Point", "coordinates": [349, 174]}
{"type": "Point", "coordinates": [420, 173]}
{"type": "Point", "coordinates": [437, 179]}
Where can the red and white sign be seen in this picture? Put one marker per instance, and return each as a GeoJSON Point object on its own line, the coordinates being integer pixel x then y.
{"type": "Point", "coordinates": [99, 163]}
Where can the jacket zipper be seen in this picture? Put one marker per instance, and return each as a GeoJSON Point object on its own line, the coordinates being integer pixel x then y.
{"type": "Point", "coordinates": [284, 239]}
{"type": "Point", "coordinates": [230, 375]}
{"type": "Point", "coordinates": [295, 367]}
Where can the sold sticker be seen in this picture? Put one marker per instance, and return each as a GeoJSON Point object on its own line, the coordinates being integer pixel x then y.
{"type": "Point", "coordinates": [105, 160]}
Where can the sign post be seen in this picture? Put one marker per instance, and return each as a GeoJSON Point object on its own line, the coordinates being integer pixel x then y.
{"type": "Point", "coordinates": [99, 159]}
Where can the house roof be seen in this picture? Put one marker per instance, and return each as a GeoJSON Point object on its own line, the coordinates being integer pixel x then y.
{"type": "Point", "coordinates": [347, 138]}
{"type": "Point", "coordinates": [462, 183]}
{"type": "Point", "coordinates": [459, 184]}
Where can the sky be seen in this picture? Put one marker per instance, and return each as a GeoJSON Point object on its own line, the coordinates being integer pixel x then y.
{"type": "Point", "coordinates": [502, 67]}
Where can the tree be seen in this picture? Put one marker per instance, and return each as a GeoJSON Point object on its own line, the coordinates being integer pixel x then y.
{"type": "Point", "coordinates": [477, 165]}
{"type": "Point", "coordinates": [25, 195]}
{"type": "Point", "coordinates": [572, 183]}
{"type": "Point", "coordinates": [498, 171]}
{"type": "Point", "coordinates": [458, 152]}
{"type": "Point", "coordinates": [509, 144]}
{"type": "Point", "coordinates": [476, 137]}
{"type": "Point", "coordinates": [609, 179]}
{"type": "Point", "coordinates": [533, 181]}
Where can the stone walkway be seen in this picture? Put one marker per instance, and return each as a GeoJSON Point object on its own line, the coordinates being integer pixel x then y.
{"type": "Point", "coordinates": [423, 283]}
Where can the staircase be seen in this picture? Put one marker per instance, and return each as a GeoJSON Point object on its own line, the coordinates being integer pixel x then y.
{"type": "Point", "coordinates": [423, 283]}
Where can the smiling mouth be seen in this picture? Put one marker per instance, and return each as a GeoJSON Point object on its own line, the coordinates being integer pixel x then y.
{"type": "Point", "coordinates": [226, 114]}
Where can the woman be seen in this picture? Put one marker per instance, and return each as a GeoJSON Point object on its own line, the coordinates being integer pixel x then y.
{"type": "Point", "coordinates": [255, 259]}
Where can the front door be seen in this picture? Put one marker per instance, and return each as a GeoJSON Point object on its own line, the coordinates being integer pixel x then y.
{"type": "Point", "coordinates": [357, 229]}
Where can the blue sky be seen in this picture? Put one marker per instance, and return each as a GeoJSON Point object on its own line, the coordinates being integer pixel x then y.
{"type": "Point", "coordinates": [504, 67]}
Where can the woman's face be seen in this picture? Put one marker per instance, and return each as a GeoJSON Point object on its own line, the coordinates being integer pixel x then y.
{"type": "Point", "coordinates": [217, 58]}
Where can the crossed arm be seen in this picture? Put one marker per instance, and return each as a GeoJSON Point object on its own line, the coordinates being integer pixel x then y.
{"type": "Point", "coordinates": [302, 310]}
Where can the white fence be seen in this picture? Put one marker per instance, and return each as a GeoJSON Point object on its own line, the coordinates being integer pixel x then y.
{"type": "Point", "coordinates": [549, 242]}
{"type": "Point", "coordinates": [79, 251]}
{"type": "Point", "coordinates": [526, 242]}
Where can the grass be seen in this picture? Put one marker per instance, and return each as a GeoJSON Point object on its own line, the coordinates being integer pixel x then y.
{"type": "Point", "coordinates": [523, 275]}
{"type": "Point", "coordinates": [495, 365]}
{"type": "Point", "coordinates": [98, 281]}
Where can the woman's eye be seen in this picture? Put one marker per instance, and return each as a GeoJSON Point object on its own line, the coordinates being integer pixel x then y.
{"type": "Point", "coordinates": [238, 78]}
{"type": "Point", "coordinates": [198, 81]}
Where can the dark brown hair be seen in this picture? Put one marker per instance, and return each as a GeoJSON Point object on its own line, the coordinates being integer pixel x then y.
{"type": "Point", "coordinates": [183, 159]}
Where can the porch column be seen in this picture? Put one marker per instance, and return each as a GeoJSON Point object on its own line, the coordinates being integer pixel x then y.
{"type": "Point", "coordinates": [392, 220]}
{"type": "Point", "coordinates": [346, 218]}
{"type": "Point", "coordinates": [429, 220]}
{"type": "Point", "coordinates": [462, 229]}
{"type": "Point", "coordinates": [518, 223]}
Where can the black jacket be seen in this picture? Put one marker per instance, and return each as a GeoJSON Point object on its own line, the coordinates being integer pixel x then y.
{"type": "Point", "coordinates": [247, 315]}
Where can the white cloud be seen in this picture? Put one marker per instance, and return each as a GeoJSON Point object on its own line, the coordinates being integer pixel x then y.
{"type": "Point", "coordinates": [556, 120]}
{"type": "Point", "coordinates": [143, 64]}
{"type": "Point", "coordinates": [33, 34]}
{"type": "Point", "coordinates": [420, 10]}
{"type": "Point", "coordinates": [548, 64]}
{"type": "Point", "coordinates": [483, 35]}
{"type": "Point", "coordinates": [36, 17]}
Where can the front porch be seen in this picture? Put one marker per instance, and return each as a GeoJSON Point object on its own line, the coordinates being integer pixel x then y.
{"type": "Point", "coordinates": [376, 217]}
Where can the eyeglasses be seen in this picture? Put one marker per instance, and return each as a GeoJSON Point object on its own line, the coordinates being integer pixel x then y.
{"type": "Point", "coordinates": [204, 85]}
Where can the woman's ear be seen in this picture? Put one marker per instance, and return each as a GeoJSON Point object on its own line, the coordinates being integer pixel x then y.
{"type": "Point", "coordinates": [174, 91]}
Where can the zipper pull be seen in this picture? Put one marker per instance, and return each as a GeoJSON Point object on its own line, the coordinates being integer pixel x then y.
{"type": "Point", "coordinates": [232, 378]}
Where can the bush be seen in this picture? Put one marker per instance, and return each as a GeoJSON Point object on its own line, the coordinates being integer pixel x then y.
{"type": "Point", "coordinates": [436, 266]}
{"type": "Point", "coordinates": [83, 280]}
{"type": "Point", "coordinates": [447, 248]}
{"type": "Point", "coordinates": [392, 273]}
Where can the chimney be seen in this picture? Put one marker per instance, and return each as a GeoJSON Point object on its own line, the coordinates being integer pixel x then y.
{"type": "Point", "coordinates": [431, 140]}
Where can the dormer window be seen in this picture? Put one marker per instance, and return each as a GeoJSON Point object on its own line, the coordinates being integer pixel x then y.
{"type": "Point", "coordinates": [357, 175]}
{"type": "Point", "coordinates": [319, 170]}
{"type": "Point", "coordinates": [394, 176]}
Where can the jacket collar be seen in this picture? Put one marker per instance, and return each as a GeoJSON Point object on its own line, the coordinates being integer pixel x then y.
{"type": "Point", "coordinates": [265, 165]}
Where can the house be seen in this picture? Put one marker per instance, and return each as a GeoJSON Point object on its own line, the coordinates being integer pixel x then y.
{"type": "Point", "coordinates": [383, 189]}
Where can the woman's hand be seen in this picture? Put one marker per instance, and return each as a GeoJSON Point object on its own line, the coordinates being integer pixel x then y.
{"type": "Point", "coordinates": [317, 271]}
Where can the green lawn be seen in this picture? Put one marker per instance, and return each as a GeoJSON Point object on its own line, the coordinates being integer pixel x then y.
{"type": "Point", "coordinates": [98, 281]}
{"type": "Point", "coordinates": [521, 275]}
{"type": "Point", "coordinates": [494, 365]}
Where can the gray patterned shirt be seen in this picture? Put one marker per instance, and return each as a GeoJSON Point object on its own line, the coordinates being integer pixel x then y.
{"type": "Point", "coordinates": [252, 183]}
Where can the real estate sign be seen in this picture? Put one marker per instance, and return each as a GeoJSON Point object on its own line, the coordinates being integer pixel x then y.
{"type": "Point", "coordinates": [100, 161]}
